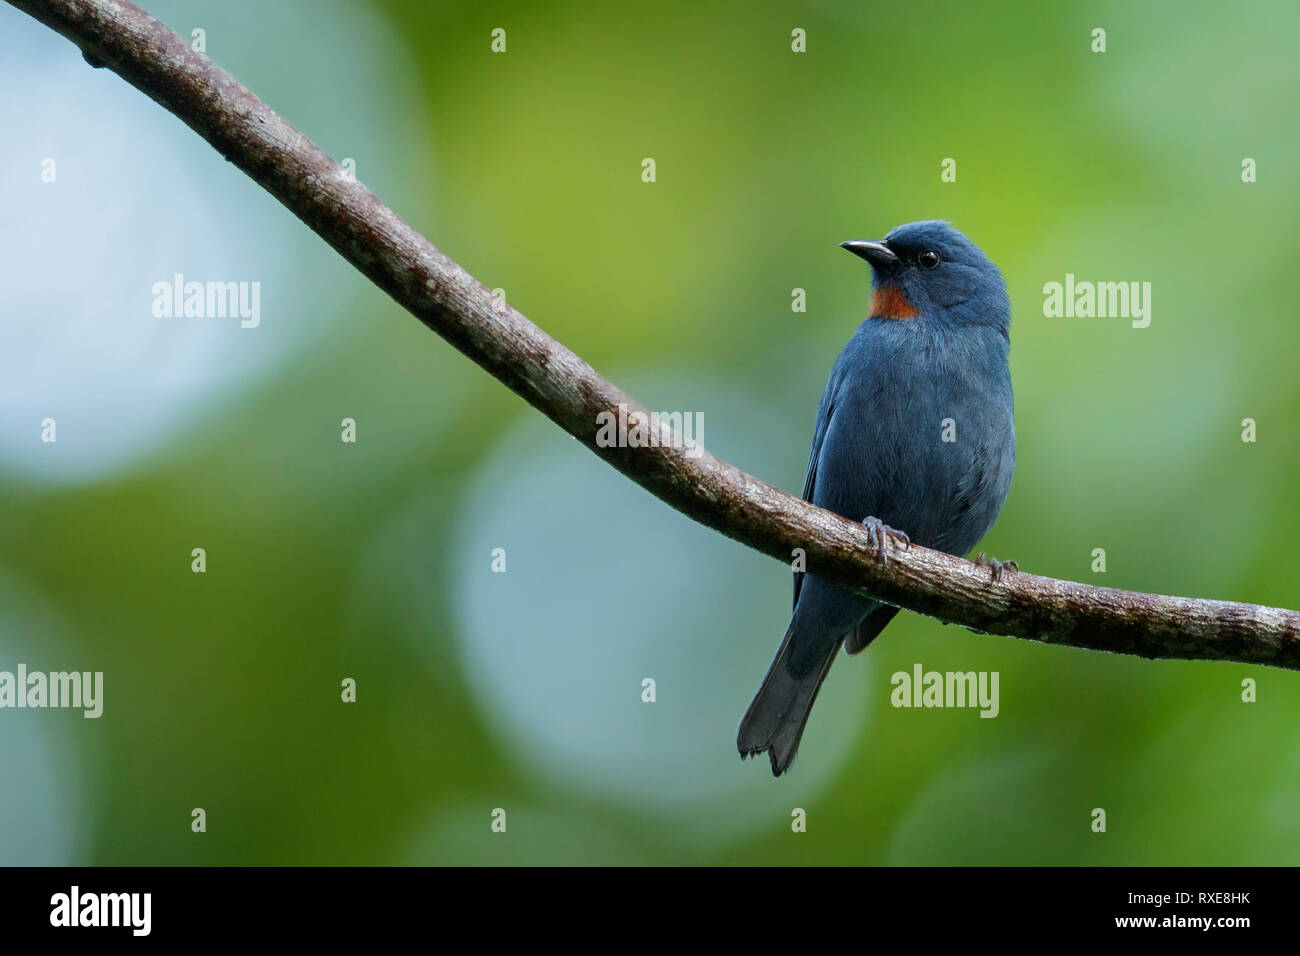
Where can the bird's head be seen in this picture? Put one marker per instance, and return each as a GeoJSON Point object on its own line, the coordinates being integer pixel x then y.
{"type": "Point", "coordinates": [930, 270]}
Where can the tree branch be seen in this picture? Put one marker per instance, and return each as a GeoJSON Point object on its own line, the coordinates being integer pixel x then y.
{"type": "Point", "coordinates": [558, 383]}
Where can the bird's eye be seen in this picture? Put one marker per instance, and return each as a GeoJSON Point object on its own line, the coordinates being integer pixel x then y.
{"type": "Point", "coordinates": [928, 259]}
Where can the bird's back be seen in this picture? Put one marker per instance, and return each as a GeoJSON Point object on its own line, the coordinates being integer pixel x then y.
{"type": "Point", "coordinates": [919, 431]}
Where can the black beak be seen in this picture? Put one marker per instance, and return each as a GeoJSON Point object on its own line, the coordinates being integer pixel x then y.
{"type": "Point", "coordinates": [877, 253]}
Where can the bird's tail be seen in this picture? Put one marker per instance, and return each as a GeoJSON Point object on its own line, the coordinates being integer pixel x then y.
{"type": "Point", "coordinates": [776, 718]}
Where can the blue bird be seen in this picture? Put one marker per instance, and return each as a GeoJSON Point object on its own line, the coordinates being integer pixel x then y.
{"type": "Point", "coordinates": [915, 438]}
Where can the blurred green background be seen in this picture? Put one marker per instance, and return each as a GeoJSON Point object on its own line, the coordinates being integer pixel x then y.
{"type": "Point", "coordinates": [522, 691]}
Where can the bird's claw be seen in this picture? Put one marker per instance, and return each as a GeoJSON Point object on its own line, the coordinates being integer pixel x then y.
{"type": "Point", "coordinates": [995, 566]}
{"type": "Point", "coordinates": [879, 536]}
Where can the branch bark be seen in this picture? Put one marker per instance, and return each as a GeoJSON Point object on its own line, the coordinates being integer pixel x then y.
{"type": "Point", "coordinates": [442, 295]}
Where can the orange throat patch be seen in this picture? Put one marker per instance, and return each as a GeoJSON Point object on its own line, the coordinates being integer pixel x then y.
{"type": "Point", "coordinates": [888, 302]}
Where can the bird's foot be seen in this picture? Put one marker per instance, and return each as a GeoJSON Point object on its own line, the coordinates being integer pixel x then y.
{"type": "Point", "coordinates": [880, 535]}
{"type": "Point", "coordinates": [996, 567]}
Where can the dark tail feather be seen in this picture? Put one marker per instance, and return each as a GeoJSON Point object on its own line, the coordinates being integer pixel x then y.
{"type": "Point", "coordinates": [776, 718]}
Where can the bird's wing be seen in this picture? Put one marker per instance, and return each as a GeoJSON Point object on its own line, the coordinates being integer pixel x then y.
{"type": "Point", "coordinates": [823, 425]}
{"type": "Point", "coordinates": [871, 625]}
{"type": "Point", "coordinates": [825, 412]}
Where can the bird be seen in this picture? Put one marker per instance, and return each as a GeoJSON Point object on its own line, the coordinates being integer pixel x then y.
{"type": "Point", "coordinates": [915, 438]}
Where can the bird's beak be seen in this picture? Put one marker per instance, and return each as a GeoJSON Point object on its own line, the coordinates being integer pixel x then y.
{"type": "Point", "coordinates": [877, 253]}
